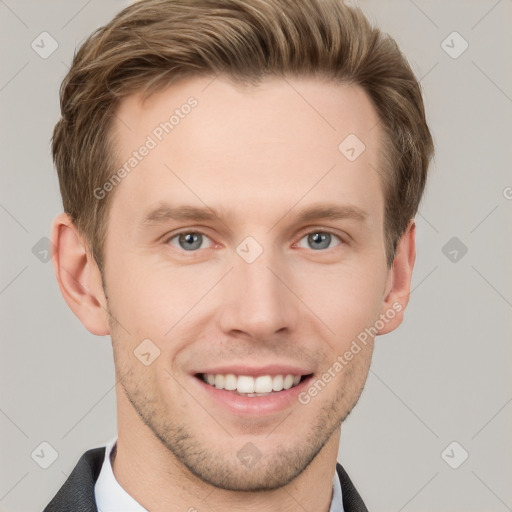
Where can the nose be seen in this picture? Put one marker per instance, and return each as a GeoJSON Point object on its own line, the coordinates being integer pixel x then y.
{"type": "Point", "coordinates": [258, 300]}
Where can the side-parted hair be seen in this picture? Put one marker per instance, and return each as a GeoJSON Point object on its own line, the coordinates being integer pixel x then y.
{"type": "Point", "coordinates": [152, 43]}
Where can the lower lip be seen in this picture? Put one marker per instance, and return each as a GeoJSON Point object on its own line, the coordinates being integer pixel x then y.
{"type": "Point", "coordinates": [257, 405]}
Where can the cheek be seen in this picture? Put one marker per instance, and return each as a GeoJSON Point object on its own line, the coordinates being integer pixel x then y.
{"type": "Point", "coordinates": [148, 302]}
{"type": "Point", "coordinates": [347, 298]}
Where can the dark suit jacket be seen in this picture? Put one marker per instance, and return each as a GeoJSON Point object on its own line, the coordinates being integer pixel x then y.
{"type": "Point", "coordinates": [77, 493]}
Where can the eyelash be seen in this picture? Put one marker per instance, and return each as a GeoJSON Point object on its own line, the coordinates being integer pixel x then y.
{"type": "Point", "coordinates": [191, 231]}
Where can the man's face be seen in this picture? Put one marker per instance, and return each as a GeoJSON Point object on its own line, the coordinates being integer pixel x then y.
{"type": "Point", "coordinates": [254, 290]}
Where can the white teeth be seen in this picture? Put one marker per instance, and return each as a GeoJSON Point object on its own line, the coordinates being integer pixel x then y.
{"type": "Point", "coordinates": [263, 384]}
{"type": "Point", "coordinates": [288, 382]}
{"type": "Point", "coordinates": [230, 381]}
{"type": "Point", "coordinates": [219, 381]}
{"type": "Point", "coordinates": [252, 386]}
{"type": "Point", "coordinates": [277, 383]}
{"type": "Point", "coordinates": [245, 384]}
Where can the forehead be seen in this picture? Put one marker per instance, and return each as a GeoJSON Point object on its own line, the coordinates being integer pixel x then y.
{"type": "Point", "coordinates": [214, 142]}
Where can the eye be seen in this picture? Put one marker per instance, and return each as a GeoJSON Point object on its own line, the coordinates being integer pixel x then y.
{"type": "Point", "coordinates": [320, 239]}
{"type": "Point", "coordinates": [188, 240]}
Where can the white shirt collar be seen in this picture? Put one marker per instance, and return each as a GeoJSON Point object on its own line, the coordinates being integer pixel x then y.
{"type": "Point", "coordinates": [337, 498]}
{"type": "Point", "coordinates": [111, 497]}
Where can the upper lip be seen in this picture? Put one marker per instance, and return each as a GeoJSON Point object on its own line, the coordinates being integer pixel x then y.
{"type": "Point", "coordinates": [272, 369]}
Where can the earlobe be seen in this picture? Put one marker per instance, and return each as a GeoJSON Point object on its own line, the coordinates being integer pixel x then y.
{"type": "Point", "coordinates": [398, 286]}
{"type": "Point", "coordinates": [78, 276]}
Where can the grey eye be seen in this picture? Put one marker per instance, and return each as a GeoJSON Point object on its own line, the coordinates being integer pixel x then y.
{"type": "Point", "coordinates": [318, 240]}
{"type": "Point", "coordinates": [188, 241]}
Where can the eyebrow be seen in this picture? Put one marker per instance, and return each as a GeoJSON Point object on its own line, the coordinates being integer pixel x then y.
{"type": "Point", "coordinates": [166, 212]}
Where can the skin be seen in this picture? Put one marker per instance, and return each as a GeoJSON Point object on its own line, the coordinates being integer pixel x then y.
{"type": "Point", "coordinates": [258, 155]}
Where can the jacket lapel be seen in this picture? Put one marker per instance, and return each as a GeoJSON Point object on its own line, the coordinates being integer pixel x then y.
{"type": "Point", "coordinates": [352, 502]}
{"type": "Point", "coordinates": [77, 493]}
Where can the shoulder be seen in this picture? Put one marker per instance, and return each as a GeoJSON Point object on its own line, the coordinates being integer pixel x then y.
{"type": "Point", "coordinates": [352, 501]}
{"type": "Point", "coordinates": [77, 493]}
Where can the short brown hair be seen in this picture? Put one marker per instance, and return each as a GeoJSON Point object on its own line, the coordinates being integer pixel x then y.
{"type": "Point", "coordinates": [151, 43]}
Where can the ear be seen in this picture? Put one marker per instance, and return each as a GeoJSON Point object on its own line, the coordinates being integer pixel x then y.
{"type": "Point", "coordinates": [398, 285]}
{"type": "Point", "coordinates": [78, 276]}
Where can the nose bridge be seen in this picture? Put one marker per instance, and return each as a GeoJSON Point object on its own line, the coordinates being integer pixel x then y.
{"type": "Point", "coordinates": [257, 302]}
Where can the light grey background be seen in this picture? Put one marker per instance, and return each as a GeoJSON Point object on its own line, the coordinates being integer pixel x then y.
{"type": "Point", "coordinates": [444, 376]}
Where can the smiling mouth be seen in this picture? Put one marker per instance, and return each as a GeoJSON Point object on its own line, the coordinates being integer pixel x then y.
{"type": "Point", "coordinates": [246, 385]}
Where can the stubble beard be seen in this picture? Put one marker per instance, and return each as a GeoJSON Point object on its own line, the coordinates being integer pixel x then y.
{"type": "Point", "coordinates": [222, 468]}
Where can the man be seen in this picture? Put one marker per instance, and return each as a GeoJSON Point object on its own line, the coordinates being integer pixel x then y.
{"type": "Point", "coordinates": [239, 181]}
